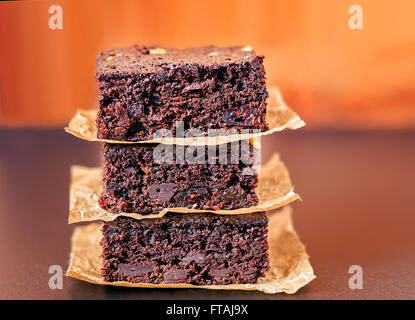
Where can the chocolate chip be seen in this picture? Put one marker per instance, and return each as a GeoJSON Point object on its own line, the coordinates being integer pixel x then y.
{"type": "Point", "coordinates": [162, 192]}
{"type": "Point", "coordinates": [217, 274]}
{"type": "Point", "coordinates": [174, 276]}
{"type": "Point", "coordinates": [138, 270]}
{"type": "Point", "coordinates": [230, 195]}
{"type": "Point", "coordinates": [192, 87]}
{"type": "Point", "coordinates": [198, 258]}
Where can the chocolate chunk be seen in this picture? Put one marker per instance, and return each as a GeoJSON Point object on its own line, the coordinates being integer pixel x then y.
{"type": "Point", "coordinates": [218, 274]}
{"type": "Point", "coordinates": [130, 270]}
{"type": "Point", "coordinates": [198, 258]}
{"type": "Point", "coordinates": [162, 192]}
{"type": "Point", "coordinates": [231, 194]}
{"type": "Point", "coordinates": [174, 276]}
{"type": "Point", "coordinates": [199, 85]}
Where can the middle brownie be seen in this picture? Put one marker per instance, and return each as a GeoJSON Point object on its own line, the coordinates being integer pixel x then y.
{"type": "Point", "coordinates": [138, 179]}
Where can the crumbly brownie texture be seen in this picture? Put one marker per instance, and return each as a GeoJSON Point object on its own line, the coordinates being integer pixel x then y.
{"type": "Point", "coordinates": [144, 89]}
{"type": "Point", "coordinates": [135, 182]}
{"type": "Point", "coordinates": [199, 249]}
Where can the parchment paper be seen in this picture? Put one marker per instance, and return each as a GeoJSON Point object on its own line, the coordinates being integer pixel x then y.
{"type": "Point", "coordinates": [290, 268]}
{"type": "Point", "coordinates": [274, 190]}
{"type": "Point", "coordinates": [279, 117]}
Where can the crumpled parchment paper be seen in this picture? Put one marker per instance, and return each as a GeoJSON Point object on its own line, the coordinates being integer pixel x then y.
{"type": "Point", "coordinates": [279, 117]}
{"type": "Point", "coordinates": [274, 190]}
{"type": "Point", "coordinates": [290, 268]}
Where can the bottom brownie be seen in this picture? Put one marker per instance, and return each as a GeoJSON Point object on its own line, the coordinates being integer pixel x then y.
{"type": "Point", "coordinates": [199, 249]}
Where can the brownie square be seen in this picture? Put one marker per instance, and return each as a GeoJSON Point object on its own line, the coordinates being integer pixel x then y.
{"type": "Point", "coordinates": [138, 178]}
{"type": "Point", "coordinates": [199, 249]}
{"type": "Point", "coordinates": [143, 89]}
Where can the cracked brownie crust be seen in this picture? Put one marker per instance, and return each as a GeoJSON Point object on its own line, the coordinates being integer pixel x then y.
{"type": "Point", "coordinates": [135, 182]}
{"type": "Point", "coordinates": [145, 88]}
{"type": "Point", "coordinates": [199, 249]}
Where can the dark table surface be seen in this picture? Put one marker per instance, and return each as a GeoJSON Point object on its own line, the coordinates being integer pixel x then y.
{"type": "Point", "coordinates": [358, 209]}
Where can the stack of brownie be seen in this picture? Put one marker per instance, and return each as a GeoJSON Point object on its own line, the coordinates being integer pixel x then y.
{"type": "Point", "coordinates": [146, 91]}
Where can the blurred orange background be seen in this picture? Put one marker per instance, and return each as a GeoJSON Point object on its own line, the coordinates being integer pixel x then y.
{"type": "Point", "coordinates": [333, 76]}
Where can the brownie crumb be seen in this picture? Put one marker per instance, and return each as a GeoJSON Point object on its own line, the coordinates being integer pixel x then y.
{"type": "Point", "coordinates": [199, 249]}
{"type": "Point", "coordinates": [134, 181]}
{"type": "Point", "coordinates": [143, 89]}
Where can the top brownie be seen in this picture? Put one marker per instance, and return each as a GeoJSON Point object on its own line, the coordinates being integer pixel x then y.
{"type": "Point", "coordinates": [143, 89]}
